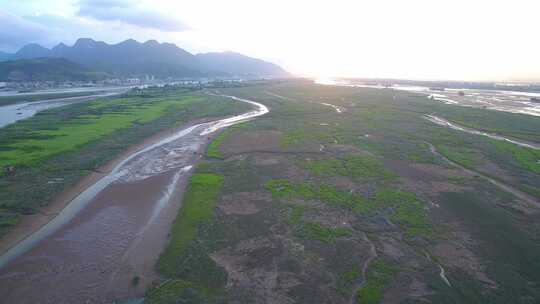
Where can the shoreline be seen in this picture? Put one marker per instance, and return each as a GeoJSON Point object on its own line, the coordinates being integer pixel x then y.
{"type": "Point", "coordinates": [115, 230]}
{"type": "Point", "coordinates": [33, 222]}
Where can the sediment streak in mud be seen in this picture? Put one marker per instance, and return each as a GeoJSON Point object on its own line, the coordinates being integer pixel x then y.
{"type": "Point", "coordinates": [445, 123]}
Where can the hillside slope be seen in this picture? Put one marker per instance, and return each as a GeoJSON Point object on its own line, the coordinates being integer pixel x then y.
{"type": "Point", "coordinates": [238, 64]}
{"type": "Point", "coordinates": [41, 69]}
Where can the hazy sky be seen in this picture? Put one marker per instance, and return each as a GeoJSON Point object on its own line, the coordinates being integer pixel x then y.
{"type": "Point", "coordinates": [422, 39]}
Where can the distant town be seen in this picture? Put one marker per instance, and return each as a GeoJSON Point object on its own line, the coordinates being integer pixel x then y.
{"type": "Point", "coordinates": [149, 80]}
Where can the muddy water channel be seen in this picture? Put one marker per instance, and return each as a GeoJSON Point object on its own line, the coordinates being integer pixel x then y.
{"type": "Point", "coordinates": [12, 113]}
{"type": "Point", "coordinates": [445, 123]}
{"type": "Point", "coordinates": [114, 231]}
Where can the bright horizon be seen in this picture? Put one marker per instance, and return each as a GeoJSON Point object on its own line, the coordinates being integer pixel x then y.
{"type": "Point", "coordinates": [451, 40]}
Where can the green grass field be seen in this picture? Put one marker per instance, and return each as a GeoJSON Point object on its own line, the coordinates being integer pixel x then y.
{"type": "Point", "coordinates": [68, 135]}
{"type": "Point", "coordinates": [197, 207]}
{"type": "Point", "coordinates": [194, 277]}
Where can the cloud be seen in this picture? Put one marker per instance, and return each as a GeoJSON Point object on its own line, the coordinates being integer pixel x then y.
{"type": "Point", "coordinates": [56, 26]}
{"type": "Point", "coordinates": [16, 31]}
{"type": "Point", "coordinates": [129, 12]}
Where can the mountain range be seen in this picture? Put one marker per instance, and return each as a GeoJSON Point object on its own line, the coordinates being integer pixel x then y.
{"type": "Point", "coordinates": [131, 58]}
{"type": "Point", "coordinates": [46, 69]}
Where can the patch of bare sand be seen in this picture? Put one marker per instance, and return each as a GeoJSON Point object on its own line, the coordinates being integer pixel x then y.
{"type": "Point", "coordinates": [440, 171]}
{"type": "Point", "coordinates": [429, 180]}
{"type": "Point", "coordinates": [296, 174]}
{"type": "Point", "coordinates": [270, 159]}
{"type": "Point", "coordinates": [345, 184]}
{"type": "Point", "coordinates": [405, 285]}
{"type": "Point", "coordinates": [340, 149]}
{"type": "Point", "coordinates": [266, 159]}
{"type": "Point", "coordinates": [391, 248]}
{"type": "Point", "coordinates": [330, 217]}
{"type": "Point", "coordinates": [486, 167]}
{"type": "Point", "coordinates": [243, 203]}
{"type": "Point", "coordinates": [441, 182]}
{"type": "Point", "coordinates": [242, 142]}
{"type": "Point", "coordinates": [263, 141]}
{"type": "Point", "coordinates": [493, 169]}
{"type": "Point", "coordinates": [424, 172]}
{"type": "Point", "coordinates": [433, 188]}
{"type": "Point", "coordinates": [251, 267]}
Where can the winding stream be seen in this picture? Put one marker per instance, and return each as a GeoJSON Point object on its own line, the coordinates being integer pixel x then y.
{"type": "Point", "coordinates": [507, 188]}
{"type": "Point", "coordinates": [442, 274]}
{"type": "Point", "coordinates": [372, 256]}
{"type": "Point", "coordinates": [445, 123]}
{"type": "Point", "coordinates": [442, 271]}
{"type": "Point", "coordinates": [115, 229]}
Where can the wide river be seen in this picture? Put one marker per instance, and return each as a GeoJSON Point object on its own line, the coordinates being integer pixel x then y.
{"type": "Point", "coordinates": [507, 101]}
{"type": "Point", "coordinates": [14, 112]}
{"type": "Point", "coordinates": [114, 230]}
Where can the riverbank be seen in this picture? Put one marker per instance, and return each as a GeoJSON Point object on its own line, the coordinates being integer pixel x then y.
{"type": "Point", "coordinates": [121, 220]}
{"type": "Point", "coordinates": [31, 223]}
{"type": "Point", "coordinates": [51, 152]}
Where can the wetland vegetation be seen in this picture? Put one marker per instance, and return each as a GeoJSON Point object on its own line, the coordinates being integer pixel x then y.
{"type": "Point", "coordinates": [307, 204]}
{"type": "Point", "coordinates": [320, 206]}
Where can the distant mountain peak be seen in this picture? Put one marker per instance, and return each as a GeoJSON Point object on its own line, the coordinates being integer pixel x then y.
{"type": "Point", "coordinates": [32, 50]}
{"type": "Point", "coordinates": [84, 42]}
{"type": "Point", "coordinates": [170, 45]}
{"type": "Point", "coordinates": [61, 46]}
{"type": "Point", "coordinates": [129, 42]}
{"type": "Point", "coordinates": [32, 46]}
{"type": "Point", "coordinates": [240, 65]}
